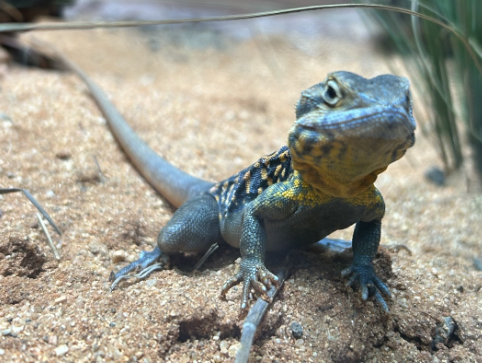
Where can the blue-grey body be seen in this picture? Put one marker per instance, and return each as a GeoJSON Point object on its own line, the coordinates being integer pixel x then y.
{"type": "Point", "coordinates": [348, 129]}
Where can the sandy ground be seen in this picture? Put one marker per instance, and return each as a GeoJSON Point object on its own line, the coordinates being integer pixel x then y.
{"type": "Point", "coordinates": [211, 112]}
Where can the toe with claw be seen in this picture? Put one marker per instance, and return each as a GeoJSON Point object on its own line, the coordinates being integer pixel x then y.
{"type": "Point", "coordinates": [255, 276]}
{"type": "Point", "coordinates": [144, 265]}
{"type": "Point", "coordinates": [364, 274]}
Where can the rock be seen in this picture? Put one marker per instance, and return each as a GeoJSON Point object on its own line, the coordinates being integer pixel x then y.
{"type": "Point", "coordinates": [435, 175]}
{"type": "Point", "coordinates": [98, 248]}
{"type": "Point", "coordinates": [63, 155]}
{"type": "Point", "coordinates": [61, 350]}
{"type": "Point", "coordinates": [296, 330]}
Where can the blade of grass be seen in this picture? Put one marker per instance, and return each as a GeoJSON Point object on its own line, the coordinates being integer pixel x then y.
{"type": "Point", "coordinates": [34, 202]}
{"type": "Point", "coordinates": [49, 239]}
{"type": "Point", "coordinates": [22, 27]}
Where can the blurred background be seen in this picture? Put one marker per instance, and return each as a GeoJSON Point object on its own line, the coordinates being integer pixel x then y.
{"type": "Point", "coordinates": [212, 97]}
{"type": "Point", "coordinates": [446, 74]}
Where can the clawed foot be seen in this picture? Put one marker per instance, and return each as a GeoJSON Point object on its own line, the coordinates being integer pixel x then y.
{"type": "Point", "coordinates": [364, 274]}
{"type": "Point", "coordinates": [255, 275]}
{"type": "Point", "coordinates": [145, 265]}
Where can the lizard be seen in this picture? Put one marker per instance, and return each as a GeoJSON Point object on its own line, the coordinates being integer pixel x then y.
{"type": "Point", "coordinates": [347, 130]}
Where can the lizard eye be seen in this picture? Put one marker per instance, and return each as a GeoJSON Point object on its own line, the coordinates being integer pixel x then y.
{"type": "Point", "coordinates": [331, 93]}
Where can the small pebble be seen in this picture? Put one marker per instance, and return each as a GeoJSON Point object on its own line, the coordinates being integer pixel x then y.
{"type": "Point", "coordinates": [233, 349]}
{"type": "Point", "coordinates": [53, 340]}
{"type": "Point", "coordinates": [34, 223]}
{"type": "Point", "coordinates": [296, 330]}
{"type": "Point", "coordinates": [151, 282]}
{"type": "Point", "coordinates": [61, 299]}
{"type": "Point", "coordinates": [63, 155]}
{"type": "Point", "coordinates": [224, 345]}
{"type": "Point", "coordinates": [478, 264]}
{"type": "Point", "coordinates": [17, 329]}
{"type": "Point", "coordinates": [435, 175]}
{"type": "Point", "coordinates": [139, 355]}
{"type": "Point", "coordinates": [98, 248]}
{"type": "Point", "coordinates": [118, 256]}
{"type": "Point", "coordinates": [61, 350]}
{"type": "Point", "coordinates": [7, 122]}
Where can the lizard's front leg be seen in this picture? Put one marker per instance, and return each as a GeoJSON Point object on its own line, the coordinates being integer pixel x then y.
{"type": "Point", "coordinates": [252, 272]}
{"type": "Point", "coordinates": [366, 239]}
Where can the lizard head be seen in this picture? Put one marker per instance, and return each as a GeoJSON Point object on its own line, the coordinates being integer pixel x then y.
{"type": "Point", "coordinates": [348, 130]}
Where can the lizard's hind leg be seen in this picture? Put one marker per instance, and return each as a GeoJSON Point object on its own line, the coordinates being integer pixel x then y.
{"type": "Point", "coordinates": [194, 227]}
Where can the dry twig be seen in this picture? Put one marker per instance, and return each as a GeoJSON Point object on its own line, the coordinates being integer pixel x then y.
{"type": "Point", "coordinates": [34, 202]}
{"type": "Point", "coordinates": [47, 234]}
{"type": "Point", "coordinates": [255, 316]}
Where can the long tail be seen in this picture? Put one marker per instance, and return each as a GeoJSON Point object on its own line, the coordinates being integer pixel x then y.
{"type": "Point", "coordinates": [172, 183]}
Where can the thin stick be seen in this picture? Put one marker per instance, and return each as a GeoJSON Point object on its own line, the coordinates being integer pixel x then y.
{"type": "Point", "coordinates": [74, 25]}
{"type": "Point", "coordinates": [49, 240]}
{"type": "Point", "coordinates": [22, 27]}
{"type": "Point", "coordinates": [254, 318]}
{"type": "Point", "coordinates": [208, 253]}
{"type": "Point", "coordinates": [102, 177]}
{"type": "Point", "coordinates": [34, 202]}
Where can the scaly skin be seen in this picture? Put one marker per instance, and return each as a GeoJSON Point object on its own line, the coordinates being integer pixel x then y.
{"type": "Point", "coordinates": [348, 129]}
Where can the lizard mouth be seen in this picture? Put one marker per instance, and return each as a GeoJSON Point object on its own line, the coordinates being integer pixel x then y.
{"type": "Point", "coordinates": [352, 143]}
{"type": "Point", "coordinates": [387, 122]}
